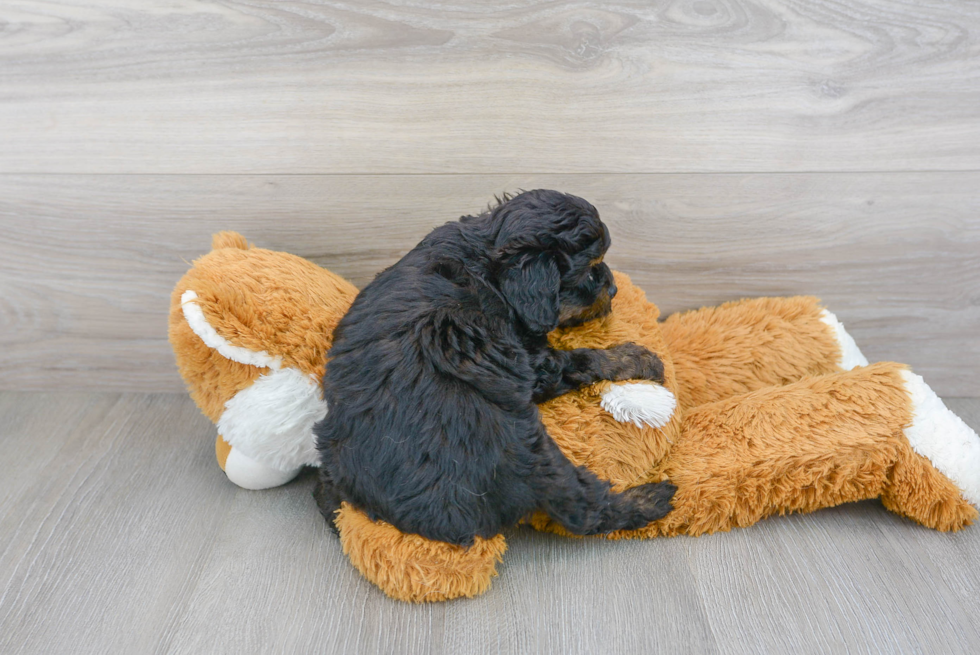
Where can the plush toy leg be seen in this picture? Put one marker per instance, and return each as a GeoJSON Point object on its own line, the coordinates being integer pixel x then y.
{"type": "Point", "coordinates": [248, 473]}
{"type": "Point", "coordinates": [876, 431]}
{"type": "Point", "coordinates": [414, 569]}
{"type": "Point", "coordinates": [742, 346]}
{"type": "Point", "coordinates": [940, 437]}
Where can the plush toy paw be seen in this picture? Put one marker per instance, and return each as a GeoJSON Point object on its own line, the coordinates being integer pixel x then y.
{"type": "Point", "coordinates": [273, 419]}
{"type": "Point", "coordinates": [640, 403]}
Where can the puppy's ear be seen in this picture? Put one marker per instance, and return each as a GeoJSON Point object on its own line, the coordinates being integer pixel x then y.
{"type": "Point", "coordinates": [530, 283]}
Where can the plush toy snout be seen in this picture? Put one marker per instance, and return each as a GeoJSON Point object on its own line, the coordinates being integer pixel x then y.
{"type": "Point", "coordinates": [248, 473]}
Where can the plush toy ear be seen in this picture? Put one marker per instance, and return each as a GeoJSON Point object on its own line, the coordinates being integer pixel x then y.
{"type": "Point", "coordinates": [531, 284]}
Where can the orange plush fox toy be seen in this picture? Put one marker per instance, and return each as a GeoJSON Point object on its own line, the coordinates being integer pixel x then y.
{"type": "Point", "coordinates": [768, 407]}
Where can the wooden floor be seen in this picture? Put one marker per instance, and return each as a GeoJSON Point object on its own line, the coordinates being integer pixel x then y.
{"type": "Point", "coordinates": [119, 534]}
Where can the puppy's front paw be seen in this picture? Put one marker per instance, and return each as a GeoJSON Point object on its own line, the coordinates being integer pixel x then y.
{"type": "Point", "coordinates": [651, 501]}
{"type": "Point", "coordinates": [636, 363]}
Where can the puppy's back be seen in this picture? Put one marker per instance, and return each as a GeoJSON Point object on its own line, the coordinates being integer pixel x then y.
{"type": "Point", "coordinates": [425, 387]}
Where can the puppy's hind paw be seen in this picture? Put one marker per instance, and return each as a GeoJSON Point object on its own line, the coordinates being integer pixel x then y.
{"type": "Point", "coordinates": [328, 503]}
{"type": "Point", "coordinates": [640, 403]}
{"type": "Point", "coordinates": [651, 501]}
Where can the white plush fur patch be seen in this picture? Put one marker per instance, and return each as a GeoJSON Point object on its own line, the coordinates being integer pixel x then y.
{"type": "Point", "coordinates": [943, 438]}
{"type": "Point", "coordinates": [272, 420]}
{"type": "Point", "coordinates": [249, 474]}
{"type": "Point", "coordinates": [199, 324]}
{"type": "Point", "coordinates": [640, 403]}
{"type": "Point", "coordinates": [851, 355]}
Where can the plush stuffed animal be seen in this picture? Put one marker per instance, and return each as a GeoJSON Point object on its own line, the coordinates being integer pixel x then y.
{"type": "Point", "coordinates": [768, 407]}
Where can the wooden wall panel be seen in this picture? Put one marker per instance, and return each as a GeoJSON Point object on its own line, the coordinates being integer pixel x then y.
{"type": "Point", "coordinates": [256, 86]}
{"type": "Point", "coordinates": [87, 262]}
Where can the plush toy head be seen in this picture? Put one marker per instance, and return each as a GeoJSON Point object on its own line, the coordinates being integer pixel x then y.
{"type": "Point", "coordinates": [250, 329]}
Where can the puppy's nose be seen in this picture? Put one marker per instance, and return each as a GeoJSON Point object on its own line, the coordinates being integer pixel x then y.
{"type": "Point", "coordinates": [612, 291]}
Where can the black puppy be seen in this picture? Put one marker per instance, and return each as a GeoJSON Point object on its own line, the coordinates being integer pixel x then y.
{"type": "Point", "coordinates": [434, 373]}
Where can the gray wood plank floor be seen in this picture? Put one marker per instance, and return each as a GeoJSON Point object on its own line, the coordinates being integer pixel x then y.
{"type": "Point", "coordinates": [118, 534]}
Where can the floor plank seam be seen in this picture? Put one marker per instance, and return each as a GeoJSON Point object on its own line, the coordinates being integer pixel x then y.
{"type": "Point", "coordinates": [896, 171]}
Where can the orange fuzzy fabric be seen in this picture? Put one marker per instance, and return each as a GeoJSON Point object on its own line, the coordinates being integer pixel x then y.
{"type": "Point", "coordinates": [411, 568]}
{"type": "Point", "coordinates": [261, 300]}
{"type": "Point", "coordinates": [747, 345]}
{"type": "Point", "coordinates": [221, 451]}
{"type": "Point", "coordinates": [766, 422]}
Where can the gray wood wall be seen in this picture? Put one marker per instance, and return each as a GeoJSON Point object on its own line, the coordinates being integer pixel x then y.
{"type": "Point", "coordinates": [735, 148]}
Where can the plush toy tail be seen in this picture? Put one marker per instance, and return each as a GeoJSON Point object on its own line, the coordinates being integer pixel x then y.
{"type": "Point", "coordinates": [229, 240]}
{"type": "Point", "coordinates": [640, 403]}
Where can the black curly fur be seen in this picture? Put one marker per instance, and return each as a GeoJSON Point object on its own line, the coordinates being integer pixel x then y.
{"type": "Point", "coordinates": [434, 374]}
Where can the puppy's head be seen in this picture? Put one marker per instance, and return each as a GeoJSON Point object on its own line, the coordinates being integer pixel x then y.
{"type": "Point", "coordinates": [548, 252]}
